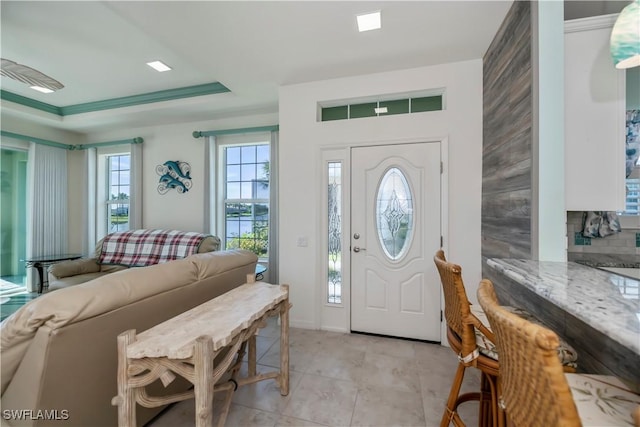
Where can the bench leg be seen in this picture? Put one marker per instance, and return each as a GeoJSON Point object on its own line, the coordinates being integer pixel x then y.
{"type": "Point", "coordinates": [204, 381]}
{"type": "Point", "coordinates": [284, 345]}
{"type": "Point", "coordinates": [125, 400]}
{"type": "Point", "coordinates": [252, 355]}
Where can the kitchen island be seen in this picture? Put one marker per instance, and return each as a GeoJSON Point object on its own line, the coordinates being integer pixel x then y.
{"type": "Point", "coordinates": [595, 311]}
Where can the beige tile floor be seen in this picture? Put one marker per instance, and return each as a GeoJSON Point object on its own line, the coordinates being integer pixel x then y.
{"type": "Point", "coordinates": [343, 380]}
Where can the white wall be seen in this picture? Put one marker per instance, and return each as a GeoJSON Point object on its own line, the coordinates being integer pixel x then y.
{"type": "Point", "coordinates": [548, 203]}
{"type": "Point", "coordinates": [633, 88]}
{"type": "Point", "coordinates": [175, 142]}
{"type": "Point", "coordinates": [301, 139]}
{"type": "Point", "coordinates": [594, 118]}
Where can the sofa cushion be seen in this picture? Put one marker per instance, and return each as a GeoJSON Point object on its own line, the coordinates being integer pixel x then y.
{"type": "Point", "coordinates": [225, 261]}
{"type": "Point", "coordinates": [108, 268]}
{"type": "Point", "coordinates": [73, 280]}
{"type": "Point", "coordinates": [209, 244]}
{"type": "Point", "coordinates": [74, 267]}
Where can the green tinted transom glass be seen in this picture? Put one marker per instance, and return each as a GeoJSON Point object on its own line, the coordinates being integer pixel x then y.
{"type": "Point", "coordinates": [394, 213]}
{"type": "Point", "coordinates": [428, 103]}
{"type": "Point", "coordinates": [357, 111]}
{"type": "Point", "coordinates": [400, 106]}
{"type": "Point", "coordinates": [382, 108]}
{"type": "Point", "coordinates": [335, 113]}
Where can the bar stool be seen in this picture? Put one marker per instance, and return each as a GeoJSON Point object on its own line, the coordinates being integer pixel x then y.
{"type": "Point", "coordinates": [473, 342]}
{"type": "Point", "coordinates": [534, 389]}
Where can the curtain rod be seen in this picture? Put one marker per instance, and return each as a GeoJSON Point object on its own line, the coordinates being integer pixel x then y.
{"type": "Point", "coordinates": [198, 134]}
{"type": "Point", "coordinates": [136, 140]}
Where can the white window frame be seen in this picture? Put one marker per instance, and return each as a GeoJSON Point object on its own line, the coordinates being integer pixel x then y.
{"type": "Point", "coordinates": [103, 188]}
{"type": "Point", "coordinates": [225, 141]}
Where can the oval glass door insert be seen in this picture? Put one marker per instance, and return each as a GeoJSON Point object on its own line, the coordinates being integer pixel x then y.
{"type": "Point", "coordinates": [394, 213]}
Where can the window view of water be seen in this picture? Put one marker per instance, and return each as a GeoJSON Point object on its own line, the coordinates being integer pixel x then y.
{"type": "Point", "coordinates": [119, 217]}
{"type": "Point", "coordinates": [246, 175]}
{"type": "Point", "coordinates": [247, 226]}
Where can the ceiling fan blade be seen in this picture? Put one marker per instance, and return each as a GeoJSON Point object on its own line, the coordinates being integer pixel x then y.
{"type": "Point", "coordinates": [28, 75]}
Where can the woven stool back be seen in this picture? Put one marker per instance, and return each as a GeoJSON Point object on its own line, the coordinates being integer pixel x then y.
{"type": "Point", "coordinates": [457, 309]}
{"type": "Point", "coordinates": [534, 390]}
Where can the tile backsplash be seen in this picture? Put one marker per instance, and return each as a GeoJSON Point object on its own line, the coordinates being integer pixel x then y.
{"type": "Point", "coordinates": [619, 248]}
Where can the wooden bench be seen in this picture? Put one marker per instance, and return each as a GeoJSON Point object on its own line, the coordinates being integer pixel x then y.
{"type": "Point", "coordinates": [189, 343]}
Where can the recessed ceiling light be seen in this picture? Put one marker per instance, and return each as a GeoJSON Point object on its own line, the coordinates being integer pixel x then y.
{"type": "Point", "coordinates": [369, 21]}
{"type": "Point", "coordinates": [41, 89]}
{"type": "Point", "coordinates": [380, 110]}
{"type": "Point", "coordinates": [159, 66]}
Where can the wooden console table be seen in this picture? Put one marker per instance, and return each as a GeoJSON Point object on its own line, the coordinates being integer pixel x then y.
{"type": "Point", "coordinates": [189, 343]}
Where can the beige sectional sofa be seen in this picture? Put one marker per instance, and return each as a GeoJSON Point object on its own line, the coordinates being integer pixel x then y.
{"type": "Point", "coordinates": [69, 273]}
{"type": "Point", "coordinates": [58, 352]}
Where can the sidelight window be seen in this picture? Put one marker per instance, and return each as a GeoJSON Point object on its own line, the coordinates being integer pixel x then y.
{"type": "Point", "coordinates": [334, 212]}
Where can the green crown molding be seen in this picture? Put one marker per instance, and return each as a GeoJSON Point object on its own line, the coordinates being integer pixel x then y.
{"type": "Point", "coordinates": [28, 102]}
{"type": "Point", "coordinates": [199, 133]}
{"type": "Point", "coordinates": [126, 101]}
{"type": "Point", "coordinates": [36, 140]}
{"type": "Point", "coordinates": [146, 98]}
{"type": "Point", "coordinates": [136, 140]}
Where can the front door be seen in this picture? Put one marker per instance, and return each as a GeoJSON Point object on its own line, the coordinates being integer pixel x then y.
{"type": "Point", "coordinates": [395, 226]}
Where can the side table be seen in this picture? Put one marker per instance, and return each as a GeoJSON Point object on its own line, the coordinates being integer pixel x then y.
{"type": "Point", "coordinates": [39, 262]}
{"type": "Point", "coordinates": [260, 270]}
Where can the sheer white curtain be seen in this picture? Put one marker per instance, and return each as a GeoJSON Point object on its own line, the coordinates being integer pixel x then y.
{"type": "Point", "coordinates": [47, 202]}
{"type": "Point", "coordinates": [273, 209]}
{"type": "Point", "coordinates": [210, 185]}
{"type": "Point", "coordinates": [135, 187]}
{"type": "Point", "coordinates": [90, 185]}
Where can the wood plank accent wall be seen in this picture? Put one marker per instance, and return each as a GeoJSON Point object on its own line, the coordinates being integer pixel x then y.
{"type": "Point", "coordinates": [507, 139]}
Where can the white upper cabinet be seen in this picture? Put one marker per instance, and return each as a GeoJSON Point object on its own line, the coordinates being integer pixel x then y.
{"type": "Point", "coordinates": [594, 118]}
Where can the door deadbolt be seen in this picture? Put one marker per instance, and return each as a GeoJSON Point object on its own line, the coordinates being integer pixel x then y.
{"type": "Point", "coordinates": [356, 236]}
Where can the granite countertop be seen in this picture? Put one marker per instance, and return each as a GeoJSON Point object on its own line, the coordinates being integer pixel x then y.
{"type": "Point", "coordinates": [607, 302]}
{"type": "Point", "coordinates": [609, 264]}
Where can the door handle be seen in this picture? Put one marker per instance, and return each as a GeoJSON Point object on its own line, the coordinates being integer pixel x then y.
{"type": "Point", "coordinates": [357, 249]}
